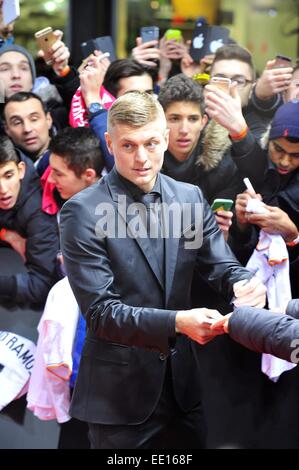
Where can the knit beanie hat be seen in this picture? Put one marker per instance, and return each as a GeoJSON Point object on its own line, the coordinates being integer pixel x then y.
{"type": "Point", "coordinates": [24, 52]}
{"type": "Point", "coordinates": [286, 121]}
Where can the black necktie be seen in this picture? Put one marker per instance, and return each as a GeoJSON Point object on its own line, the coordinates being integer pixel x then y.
{"type": "Point", "coordinates": [152, 203]}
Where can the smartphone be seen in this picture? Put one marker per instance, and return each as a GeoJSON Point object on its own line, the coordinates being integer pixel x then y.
{"type": "Point", "coordinates": [87, 61]}
{"type": "Point", "coordinates": [207, 39]}
{"type": "Point", "coordinates": [102, 43]}
{"type": "Point", "coordinates": [45, 39]}
{"type": "Point", "coordinates": [222, 205]}
{"type": "Point", "coordinates": [149, 33]}
{"type": "Point", "coordinates": [282, 61]}
{"type": "Point", "coordinates": [174, 34]}
{"type": "Point", "coordinates": [221, 82]}
{"type": "Point", "coordinates": [10, 11]}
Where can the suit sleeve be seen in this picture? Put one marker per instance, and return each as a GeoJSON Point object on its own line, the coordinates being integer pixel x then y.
{"type": "Point", "coordinates": [264, 331]}
{"type": "Point", "coordinates": [216, 263]}
{"type": "Point", "coordinates": [90, 273]}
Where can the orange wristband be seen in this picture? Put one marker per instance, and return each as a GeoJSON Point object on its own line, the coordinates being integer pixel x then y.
{"type": "Point", "coordinates": [3, 233]}
{"type": "Point", "coordinates": [64, 72]}
{"type": "Point", "coordinates": [241, 134]}
{"type": "Point", "coordinates": [292, 243]}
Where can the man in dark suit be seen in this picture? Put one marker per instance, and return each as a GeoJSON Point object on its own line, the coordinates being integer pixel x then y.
{"type": "Point", "coordinates": [131, 268]}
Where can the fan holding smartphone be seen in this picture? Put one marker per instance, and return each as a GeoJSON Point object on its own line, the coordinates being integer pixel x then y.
{"type": "Point", "coordinates": [275, 78]}
{"type": "Point", "coordinates": [223, 214]}
{"type": "Point", "coordinates": [53, 50]}
{"type": "Point", "coordinates": [147, 50]}
{"type": "Point", "coordinates": [172, 46]}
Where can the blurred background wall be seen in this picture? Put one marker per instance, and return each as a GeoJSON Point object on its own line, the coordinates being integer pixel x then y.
{"type": "Point", "coordinates": [266, 27]}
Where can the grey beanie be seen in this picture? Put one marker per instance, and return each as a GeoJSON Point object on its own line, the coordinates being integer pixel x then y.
{"type": "Point", "coordinates": [21, 50]}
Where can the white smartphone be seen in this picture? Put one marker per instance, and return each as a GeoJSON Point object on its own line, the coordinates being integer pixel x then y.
{"type": "Point", "coordinates": [10, 11]}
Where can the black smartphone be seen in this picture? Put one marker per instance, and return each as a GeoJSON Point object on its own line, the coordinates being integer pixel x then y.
{"type": "Point", "coordinates": [149, 33]}
{"type": "Point", "coordinates": [102, 43]}
{"type": "Point", "coordinates": [206, 40]}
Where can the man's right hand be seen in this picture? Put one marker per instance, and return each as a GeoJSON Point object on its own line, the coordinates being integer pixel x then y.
{"type": "Point", "coordinates": [196, 324]}
{"type": "Point", "coordinates": [92, 77]}
{"type": "Point", "coordinates": [273, 80]}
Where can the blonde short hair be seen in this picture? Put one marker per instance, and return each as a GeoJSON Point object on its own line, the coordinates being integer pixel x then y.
{"type": "Point", "coordinates": [135, 109]}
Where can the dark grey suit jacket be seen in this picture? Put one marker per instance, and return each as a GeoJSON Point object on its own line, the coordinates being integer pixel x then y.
{"type": "Point", "coordinates": [130, 311]}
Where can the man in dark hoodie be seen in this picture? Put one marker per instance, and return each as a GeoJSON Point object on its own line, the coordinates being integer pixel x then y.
{"type": "Point", "coordinates": [197, 153]}
{"type": "Point", "coordinates": [20, 212]}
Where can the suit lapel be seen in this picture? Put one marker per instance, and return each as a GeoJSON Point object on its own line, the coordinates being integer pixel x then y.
{"type": "Point", "coordinates": [171, 242]}
{"type": "Point", "coordinates": [121, 196]}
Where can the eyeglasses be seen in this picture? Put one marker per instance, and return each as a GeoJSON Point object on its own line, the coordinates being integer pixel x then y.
{"type": "Point", "coordinates": [242, 82]}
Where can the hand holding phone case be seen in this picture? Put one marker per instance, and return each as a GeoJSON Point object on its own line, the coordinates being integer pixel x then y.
{"type": "Point", "coordinates": [45, 39]}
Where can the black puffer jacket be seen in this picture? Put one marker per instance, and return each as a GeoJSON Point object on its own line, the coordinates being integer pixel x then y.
{"type": "Point", "coordinates": [42, 242]}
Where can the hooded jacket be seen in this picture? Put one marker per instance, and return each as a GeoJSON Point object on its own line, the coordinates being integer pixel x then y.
{"type": "Point", "coordinates": [42, 243]}
{"type": "Point", "coordinates": [209, 166]}
{"type": "Point", "coordinates": [277, 190]}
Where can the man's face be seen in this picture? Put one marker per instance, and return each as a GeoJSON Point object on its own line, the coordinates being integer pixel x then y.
{"type": "Point", "coordinates": [67, 182]}
{"type": "Point", "coordinates": [28, 126]}
{"type": "Point", "coordinates": [235, 69]}
{"type": "Point", "coordinates": [15, 73]}
{"type": "Point", "coordinates": [139, 152]}
{"type": "Point", "coordinates": [284, 155]}
{"type": "Point", "coordinates": [11, 175]}
{"type": "Point", "coordinates": [135, 83]}
{"type": "Point", "coordinates": [292, 92]}
{"type": "Point", "coordinates": [185, 122]}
